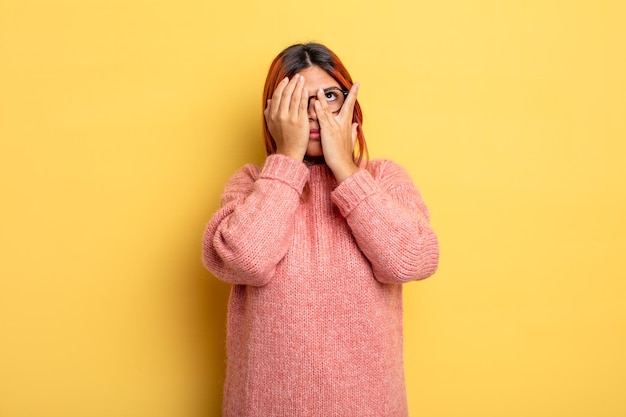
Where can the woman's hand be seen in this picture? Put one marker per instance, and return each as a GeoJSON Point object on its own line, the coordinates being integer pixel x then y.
{"type": "Point", "coordinates": [287, 118]}
{"type": "Point", "coordinates": [338, 134]}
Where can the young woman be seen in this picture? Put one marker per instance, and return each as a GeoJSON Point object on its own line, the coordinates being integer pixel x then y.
{"type": "Point", "coordinates": [316, 243]}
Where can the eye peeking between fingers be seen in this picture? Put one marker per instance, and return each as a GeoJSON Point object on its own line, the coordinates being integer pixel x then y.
{"type": "Point", "coordinates": [334, 97]}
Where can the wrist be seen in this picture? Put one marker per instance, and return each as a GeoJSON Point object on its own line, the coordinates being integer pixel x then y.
{"type": "Point", "coordinates": [343, 170]}
{"type": "Point", "coordinates": [291, 153]}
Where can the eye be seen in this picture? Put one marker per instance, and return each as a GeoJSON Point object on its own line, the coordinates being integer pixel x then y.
{"type": "Point", "coordinates": [331, 96]}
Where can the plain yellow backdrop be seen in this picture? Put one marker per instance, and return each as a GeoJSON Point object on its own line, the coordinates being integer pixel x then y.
{"type": "Point", "coordinates": [121, 120]}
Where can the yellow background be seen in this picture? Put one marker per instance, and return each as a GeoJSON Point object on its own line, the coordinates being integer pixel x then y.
{"type": "Point", "coordinates": [120, 122]}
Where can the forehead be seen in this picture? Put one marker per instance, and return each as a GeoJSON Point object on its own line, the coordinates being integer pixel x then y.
{"type": "Point", "coordinates": [315, 77]}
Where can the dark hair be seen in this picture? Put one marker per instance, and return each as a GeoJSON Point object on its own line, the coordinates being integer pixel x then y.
{"type": "Point", "coordinates": [304, 55]}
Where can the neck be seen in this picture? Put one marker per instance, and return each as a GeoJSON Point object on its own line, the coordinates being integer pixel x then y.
{"type": "Point", "coordinates": [314, 160]}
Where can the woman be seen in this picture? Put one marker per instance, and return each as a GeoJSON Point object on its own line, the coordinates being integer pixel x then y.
{"type": "Point", "coordinates": [316, 244]}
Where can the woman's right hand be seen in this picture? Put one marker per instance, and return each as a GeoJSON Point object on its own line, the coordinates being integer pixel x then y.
{"type": "Point", "coordinates": [287, 117]}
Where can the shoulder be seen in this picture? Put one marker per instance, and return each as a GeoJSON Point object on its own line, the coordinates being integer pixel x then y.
{"type": "Point", "coordinates": [389, 173]}
{"type": "Point", "coordinates": [397, 181]}
{"type": "Point", "coordinates": [243, 178]}
{"type": "Point", "coordinates": [248, 171]}
{"type": "Point", "coordinates": [377, 166]}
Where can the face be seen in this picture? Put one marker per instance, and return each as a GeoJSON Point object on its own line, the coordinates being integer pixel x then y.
{"type": "Point", "coordinates": [314, 79]}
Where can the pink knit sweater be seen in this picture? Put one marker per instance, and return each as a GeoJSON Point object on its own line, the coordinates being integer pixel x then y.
{"type": "Point", "coordinates": [315, 313]}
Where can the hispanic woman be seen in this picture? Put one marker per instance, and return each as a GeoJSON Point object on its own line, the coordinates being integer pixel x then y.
{"type": "Point", "coordinates": [317, 243]}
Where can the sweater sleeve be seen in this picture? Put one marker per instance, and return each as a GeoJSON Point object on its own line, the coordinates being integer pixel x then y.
{"type": "Point", "coordinates": [250, 233]}
{"type": "Point", "coordinates": [389, 222]}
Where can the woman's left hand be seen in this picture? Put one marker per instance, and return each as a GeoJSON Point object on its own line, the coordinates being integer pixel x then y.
{"type": "Point", "coordinates": [338, 134]}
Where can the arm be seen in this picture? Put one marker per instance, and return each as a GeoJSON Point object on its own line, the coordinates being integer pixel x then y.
{"type": "Point", "coordinates": [249, 235]}
{"type": "Point", "coordinates": [389, 222]}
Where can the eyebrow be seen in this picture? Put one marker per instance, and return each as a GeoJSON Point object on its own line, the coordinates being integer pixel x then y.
{"type": "Point", "coordinates": [327, 89]}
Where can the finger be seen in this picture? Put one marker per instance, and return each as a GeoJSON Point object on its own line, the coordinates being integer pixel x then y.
{"type": "Point", "coordinates": [286, 96]}
{"type": "Point", "coordinates": [278, 94]}
{"type": "Point", "coordinates": [348, 105]}
{"type": "Point", "coordinates": [297, 93]}
{"type": "Point", "coordinates": [323, 104]}
{"type": "Point", "coordinates": [322, 115]}
{"type": "Point", "coordinates": [304, 100]}
{"type": "Point", "coordinates": [355, 127]}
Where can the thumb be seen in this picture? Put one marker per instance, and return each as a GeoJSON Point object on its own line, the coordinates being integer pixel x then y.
{"type": "Point", "coordinates": [355, 127]}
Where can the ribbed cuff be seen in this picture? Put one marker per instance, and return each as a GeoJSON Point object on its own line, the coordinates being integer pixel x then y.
{"type": "Point", "coordinates": [287, 170]}
{"type": "Point", "coordinates": [353, 190]}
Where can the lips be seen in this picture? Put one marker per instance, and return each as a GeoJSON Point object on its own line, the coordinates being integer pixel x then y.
{"type": "Point", "coordinates": [314, 134]}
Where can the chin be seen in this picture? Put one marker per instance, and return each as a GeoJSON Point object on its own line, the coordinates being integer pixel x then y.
{"type": "Point", "coordinates": [314, 150]}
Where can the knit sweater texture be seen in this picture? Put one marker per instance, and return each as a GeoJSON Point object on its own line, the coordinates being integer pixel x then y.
{"type": "Point", "coordinates": [315, 312]}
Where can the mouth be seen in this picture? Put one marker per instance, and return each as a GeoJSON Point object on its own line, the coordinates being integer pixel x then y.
{"type": "Point", "coordinates": [314, 134]}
